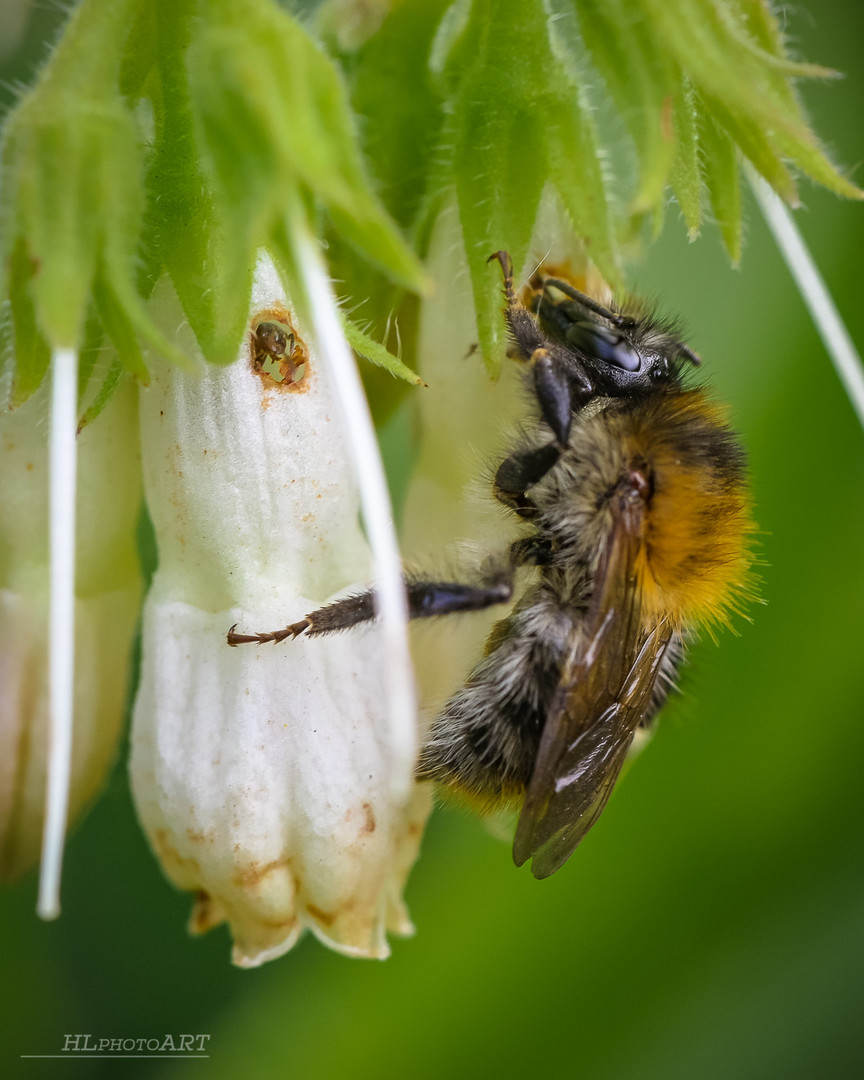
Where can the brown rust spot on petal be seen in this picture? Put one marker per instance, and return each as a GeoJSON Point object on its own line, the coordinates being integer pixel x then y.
{"type": "Point", "coordinates": [206, 913]}
{"type": "Point", "coordinates": [249, 876]}
{"type": "Point", "coordinates": [200, 837]}
{"type": "Point", "coordinates": [326, 918]}
{"type": "Point", "coordinates": [171, 857]}
{"type": "Point", "coordinates": [287, 923]}
{"type": "Point", "coordinates": [368, 812]}
{"type": "Point", "coordinates": [278, 355]}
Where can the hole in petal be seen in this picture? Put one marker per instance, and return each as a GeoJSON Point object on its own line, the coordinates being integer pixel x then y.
{"type": "Point", "coordinates": [278, 354]}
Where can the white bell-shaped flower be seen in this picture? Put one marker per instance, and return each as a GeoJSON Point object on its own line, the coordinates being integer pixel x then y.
{"type": "Point", "coordinates": [267, 778]}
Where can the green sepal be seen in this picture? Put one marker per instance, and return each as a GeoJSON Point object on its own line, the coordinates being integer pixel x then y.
{"type": "Point", "coordinates": [570, 136]}
{"type": "Point", "coordinates": [378, 354]}
{"type": "Point", "coordinates": [718, 50]}
{"type": "Point", "coordinates": [734, 54]}
{"type": "Point", "coordinates": [517, 121]}
{"type": "Point", "coordinates": [642, 83]}
{"type": "Point", "coordinates": [723, 181]}
{"type": "Point", "coordinates": [211, 275]}
{"type": "Point", "coordinates": [119, 329]}
{"type": "Point", "coordinates": [51, 205]}
{"type": "Point", "coordinates": [653, 56]}
{"type": "Point", "coordinates": [31, 352]}
{"type": "Point", "coordinates": [73, 192]}
{"type": "Point", "coordinates": [399, 143]}
{"type": "Point", "coordinates": [754, 145]}
{"type": "Point", "coordinates": [498, 187]}
{"type": "Point", "coordinates": [804, 150]}
{"type": "Point", "coordinates": [273, 125]}
{"type": "Point", "coordinates": [91, 351]}
{"type": "Point", "coordinates": [112, 379]}
{"type": "Point", "coordinates": [686, 172]}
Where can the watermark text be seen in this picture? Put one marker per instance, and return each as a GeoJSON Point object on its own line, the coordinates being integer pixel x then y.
{"type": "Point", "coordinates": [168, 1045]}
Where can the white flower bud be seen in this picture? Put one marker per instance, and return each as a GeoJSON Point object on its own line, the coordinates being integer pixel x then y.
{"type": "Point", "coordinates": [462, 419]}
{"type": "Point", "coordinates": [265, 776]}
{"type": "Point", "coordinates": [108, 589]}
{"type": "Point", "coordinates": [465, 419]}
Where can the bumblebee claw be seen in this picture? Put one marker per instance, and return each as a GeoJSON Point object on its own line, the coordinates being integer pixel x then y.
{"type": "Point", "coordinates": [275, 636]}
{"type": "Point", "coordinates": [241, 639]}
{"type": "Point", "coordinates": [506, 263]}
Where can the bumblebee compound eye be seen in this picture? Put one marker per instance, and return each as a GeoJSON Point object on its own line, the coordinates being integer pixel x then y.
{"type": "Point", "coordinates": [604, 344]}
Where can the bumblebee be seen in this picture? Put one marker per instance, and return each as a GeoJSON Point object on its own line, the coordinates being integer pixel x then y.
{"type": "Point", "coordinates": [633, 494]}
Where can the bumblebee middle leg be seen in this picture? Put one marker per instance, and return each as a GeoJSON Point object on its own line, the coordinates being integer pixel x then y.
{"type": "Point", "coordinates": [521, 471]}
{"type": "Point", "coordinates": [532, 551]}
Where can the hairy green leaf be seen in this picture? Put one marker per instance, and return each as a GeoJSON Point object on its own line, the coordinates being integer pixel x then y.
{"type": "Point", "coordinates": [371, 350]}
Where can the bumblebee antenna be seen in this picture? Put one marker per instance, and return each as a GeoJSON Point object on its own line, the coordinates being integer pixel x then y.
{"type": "Point", "coordinates": [621, 321]}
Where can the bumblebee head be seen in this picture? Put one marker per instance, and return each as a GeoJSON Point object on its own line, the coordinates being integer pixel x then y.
{"type": "Point", "coordinates": [624, 353]}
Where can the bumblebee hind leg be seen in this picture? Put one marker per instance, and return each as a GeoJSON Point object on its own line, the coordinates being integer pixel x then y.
{"type": "Point", "coordinates": [425, 598]}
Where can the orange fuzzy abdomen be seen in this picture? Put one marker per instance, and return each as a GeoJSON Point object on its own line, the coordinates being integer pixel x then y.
{"type": "Point", "coordinates": [694, 562]}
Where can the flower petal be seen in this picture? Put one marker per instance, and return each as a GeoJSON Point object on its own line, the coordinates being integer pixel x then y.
{"type": "Point", "coordinates": [265, 777]}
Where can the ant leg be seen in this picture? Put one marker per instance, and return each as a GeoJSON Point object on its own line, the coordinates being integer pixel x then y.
{"type": "Point", "coordinates": [425, 598]}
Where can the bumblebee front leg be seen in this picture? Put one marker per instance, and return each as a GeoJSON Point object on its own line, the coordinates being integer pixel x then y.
{"type": "Point", "coordinates": [425, 598]}
{"type": "Point", "coordinates": [560, 381]}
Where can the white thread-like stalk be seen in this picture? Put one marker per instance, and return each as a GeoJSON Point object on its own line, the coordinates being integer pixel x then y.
{"type": "Point", "coordinates": [811, 285]}
{"type": "Point", "coordinates": [391, 604]}
{"type": "Point", "coordinates": [61, 638]}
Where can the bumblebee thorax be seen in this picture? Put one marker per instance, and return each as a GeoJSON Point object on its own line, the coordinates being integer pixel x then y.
{"type": "Point", "coordinates": [693, 558]}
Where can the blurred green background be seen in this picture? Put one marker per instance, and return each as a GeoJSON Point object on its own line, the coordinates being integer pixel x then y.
{"type": "Point", "coordinates": [712, 925]}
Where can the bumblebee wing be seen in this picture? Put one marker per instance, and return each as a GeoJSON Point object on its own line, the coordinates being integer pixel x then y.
{"type": "Point", "coordinates": [574, 777]}
{"type": "Point", "coordinates": [605, 691]}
